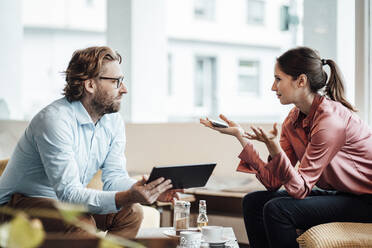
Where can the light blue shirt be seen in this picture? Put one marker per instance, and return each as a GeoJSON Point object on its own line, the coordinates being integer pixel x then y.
{"type": "Point", "coordinates": [60, 152]}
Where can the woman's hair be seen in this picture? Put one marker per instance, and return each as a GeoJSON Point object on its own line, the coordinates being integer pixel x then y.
{"type": "Point", "coordinates": [86, 64]}
{"type": "Point", "coordinates": [304, 60]}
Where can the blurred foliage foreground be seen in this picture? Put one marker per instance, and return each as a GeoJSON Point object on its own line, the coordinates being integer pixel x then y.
{"type": "Point", "coordinates": [24, 232]}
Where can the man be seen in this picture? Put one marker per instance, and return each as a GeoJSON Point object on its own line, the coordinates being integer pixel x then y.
{"type": "Point", "coordinates": [68, 141]}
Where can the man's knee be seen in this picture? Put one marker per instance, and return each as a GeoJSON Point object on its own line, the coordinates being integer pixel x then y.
{"type": "Point", "coordinates": [126, 222]}
{"type": "Point", "coordinates": [137, 212]}
{"type": "Point", "coordinates": [130, 217]}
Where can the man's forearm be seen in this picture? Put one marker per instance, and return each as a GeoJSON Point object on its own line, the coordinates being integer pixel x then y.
{"type": "Point", "coordinates": [123, 198]}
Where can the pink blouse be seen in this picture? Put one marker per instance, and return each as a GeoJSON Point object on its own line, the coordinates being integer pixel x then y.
{"type": "Point", "coordinates": [334, 148]}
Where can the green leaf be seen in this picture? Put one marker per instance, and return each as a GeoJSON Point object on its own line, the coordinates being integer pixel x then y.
{"type": "Point", "coordinates": [104, 243]}
{"type": "Point", "coordinates": [24, 233]}
{"type": "Point", "coordinates": [113, 241]}
{"type": "Point", "coordinates": [4, 234]}
{"type": "Point", "coordinates": [70, 212]}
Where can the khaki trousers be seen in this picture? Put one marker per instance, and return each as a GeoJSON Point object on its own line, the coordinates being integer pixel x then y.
{"type": "Point", "coordinates": [124, 223]}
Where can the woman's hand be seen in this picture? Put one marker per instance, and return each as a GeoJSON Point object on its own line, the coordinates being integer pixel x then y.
{"type": "Point", "coordinates": [234, 129]}
{"type": "Point", "coordinates": [270, 139]}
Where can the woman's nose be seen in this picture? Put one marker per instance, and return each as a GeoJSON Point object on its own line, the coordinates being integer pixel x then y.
{"type": "Point", "coordinates": [273, 87]}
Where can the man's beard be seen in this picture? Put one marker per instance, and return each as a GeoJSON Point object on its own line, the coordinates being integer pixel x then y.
{"type": "Point", "coordinates": [102, 103]}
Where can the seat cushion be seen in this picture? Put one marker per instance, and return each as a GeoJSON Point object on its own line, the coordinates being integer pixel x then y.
{"type": "Point", "coordinates": [337, 234]}
{"type": "Point", "coordinates": [3, 164]}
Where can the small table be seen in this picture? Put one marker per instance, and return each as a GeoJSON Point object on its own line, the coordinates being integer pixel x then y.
{"type": "Point", "coordinates": [147, 233]}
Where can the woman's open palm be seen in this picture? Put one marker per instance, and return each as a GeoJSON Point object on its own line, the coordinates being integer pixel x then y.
{"type": "Point", "coordinates": [233, 129]}
{"type": "Point", "coordinates": [260, 135]}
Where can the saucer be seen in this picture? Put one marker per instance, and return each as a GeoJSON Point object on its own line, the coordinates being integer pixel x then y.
{"type": "Point", "coordinates": [176, 234]}
{"type": "Point", "coordinates": [216, 242]}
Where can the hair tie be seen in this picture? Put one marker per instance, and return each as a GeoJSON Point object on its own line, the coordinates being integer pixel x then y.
{"type": "Point", "coordinates": [324, 61]}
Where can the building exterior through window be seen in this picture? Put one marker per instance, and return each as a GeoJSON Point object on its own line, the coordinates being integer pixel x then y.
{"type": "Point", "coordinates": [218, 55]}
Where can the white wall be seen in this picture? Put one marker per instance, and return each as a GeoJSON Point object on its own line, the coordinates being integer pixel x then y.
{"type": "Point", "coordinates": [330, 29]}
{"type": "Point", "coordinates": [72, 14]}
{"type": "Point", "coordinates": [136, 28]}
{"type": "Point", "coordinates": [230, 24]}
{"type": "Point", "coordinates": [46, 55]}
{"type": "Point", "coordinates": [150, 145]}
{"type": "Point", "coordinates": [11, 55]}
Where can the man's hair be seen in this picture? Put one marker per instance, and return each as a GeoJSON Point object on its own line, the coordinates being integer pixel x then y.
{"type": "Point", "coordinates": [86, 64]}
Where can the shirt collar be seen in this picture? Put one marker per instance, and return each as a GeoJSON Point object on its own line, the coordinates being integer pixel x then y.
{"type": "Point", "coordinates": [297, 116]}
{"type": "Point", "coordinates": [81, 113]}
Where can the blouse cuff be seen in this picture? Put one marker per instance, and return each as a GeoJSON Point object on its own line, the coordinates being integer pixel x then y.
{"type": "Point", "coordinates": [250, 157]}
{"type": "Point", "coordinates": [279, 165]}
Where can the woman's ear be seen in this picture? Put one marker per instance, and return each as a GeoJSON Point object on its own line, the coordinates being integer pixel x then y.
{"type": "Point", "coordinates": [302, 81]}
{"type": "Point", "coordinates": [89, 86]}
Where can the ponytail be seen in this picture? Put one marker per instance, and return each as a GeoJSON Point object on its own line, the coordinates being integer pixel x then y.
{"type": "Point", "coordinates": [304, 60]}
{"type": "Point", "coordinates": [335, 86]}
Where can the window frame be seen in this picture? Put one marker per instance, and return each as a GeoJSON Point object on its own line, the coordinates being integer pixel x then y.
{"type": "Point", "coordinates": [251, 20]}
{"type": "Point", "coordinates": [209, 7]}
{"type": "Point", "coordinates": [249, 93]}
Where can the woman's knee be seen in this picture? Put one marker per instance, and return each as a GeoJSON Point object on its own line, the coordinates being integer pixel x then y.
{"type": "Point", "coordinates": [255, 198]}
{"type": "Point", "coordinates": [252, 197]}
{"type": "Point", "coordinates": [275, 209]}
{"type": "Point", "coordinates": [253, 202]}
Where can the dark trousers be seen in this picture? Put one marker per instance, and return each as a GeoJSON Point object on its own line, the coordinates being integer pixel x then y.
{"type": "Point", "coordinates": [271, 218]}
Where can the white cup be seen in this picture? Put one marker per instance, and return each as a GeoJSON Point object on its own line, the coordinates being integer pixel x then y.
{"type": "Point", "coordinates": [212, 233]}
{"type": "Point", "coordinates": [190, 239]}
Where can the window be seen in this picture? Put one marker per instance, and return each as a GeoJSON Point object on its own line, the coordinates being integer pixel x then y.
{"type": "Point", "coordinates": [204, 9]}
{"type": "Point", "coordinates": [89, 3]}
{"type": "Point", "coordinates": [248, 81]}
{"type": "Point", "coordinates": [170, 78]}
{"type": "Point", "coordinates": [205, 84]}
{"type": "Point", "coordinates": [256, 12]}
{"type": "Point", "coordinates": [284, 18]}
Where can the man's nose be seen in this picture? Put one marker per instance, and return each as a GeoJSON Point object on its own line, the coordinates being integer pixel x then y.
{"type": "Point", "coordinates": [123, 89]}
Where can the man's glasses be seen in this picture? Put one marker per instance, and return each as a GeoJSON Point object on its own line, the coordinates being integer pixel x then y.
{"type": "Point", "coordinates": [118, 81]}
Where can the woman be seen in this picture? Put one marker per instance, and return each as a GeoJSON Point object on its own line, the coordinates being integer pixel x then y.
{"type": "Point", "coordinates": [333, 148]}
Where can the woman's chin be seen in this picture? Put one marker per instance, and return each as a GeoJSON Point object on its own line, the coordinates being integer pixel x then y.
{"type": "Point", "coordinates": [283, 101]}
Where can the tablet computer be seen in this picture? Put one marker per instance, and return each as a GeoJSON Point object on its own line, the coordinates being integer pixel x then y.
{"type": "Point", "coordinates": [184, 176]}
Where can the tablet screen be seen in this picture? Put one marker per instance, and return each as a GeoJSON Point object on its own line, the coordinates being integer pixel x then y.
{"type": "Point", "coordinates": [184, 176]}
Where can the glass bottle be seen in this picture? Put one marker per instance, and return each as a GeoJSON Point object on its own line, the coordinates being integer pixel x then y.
{"type": "Point", "coordinates": [202, 217]}
{"type": "Point", "coordinates": [181, 215]}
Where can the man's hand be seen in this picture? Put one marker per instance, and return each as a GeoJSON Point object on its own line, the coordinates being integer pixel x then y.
{"type": "Point", "coordinates": [149, 193]}
{"type": "Point", "coordinates": [169, 195]}
{"type": "Point", "coordinates": [143, 193]}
